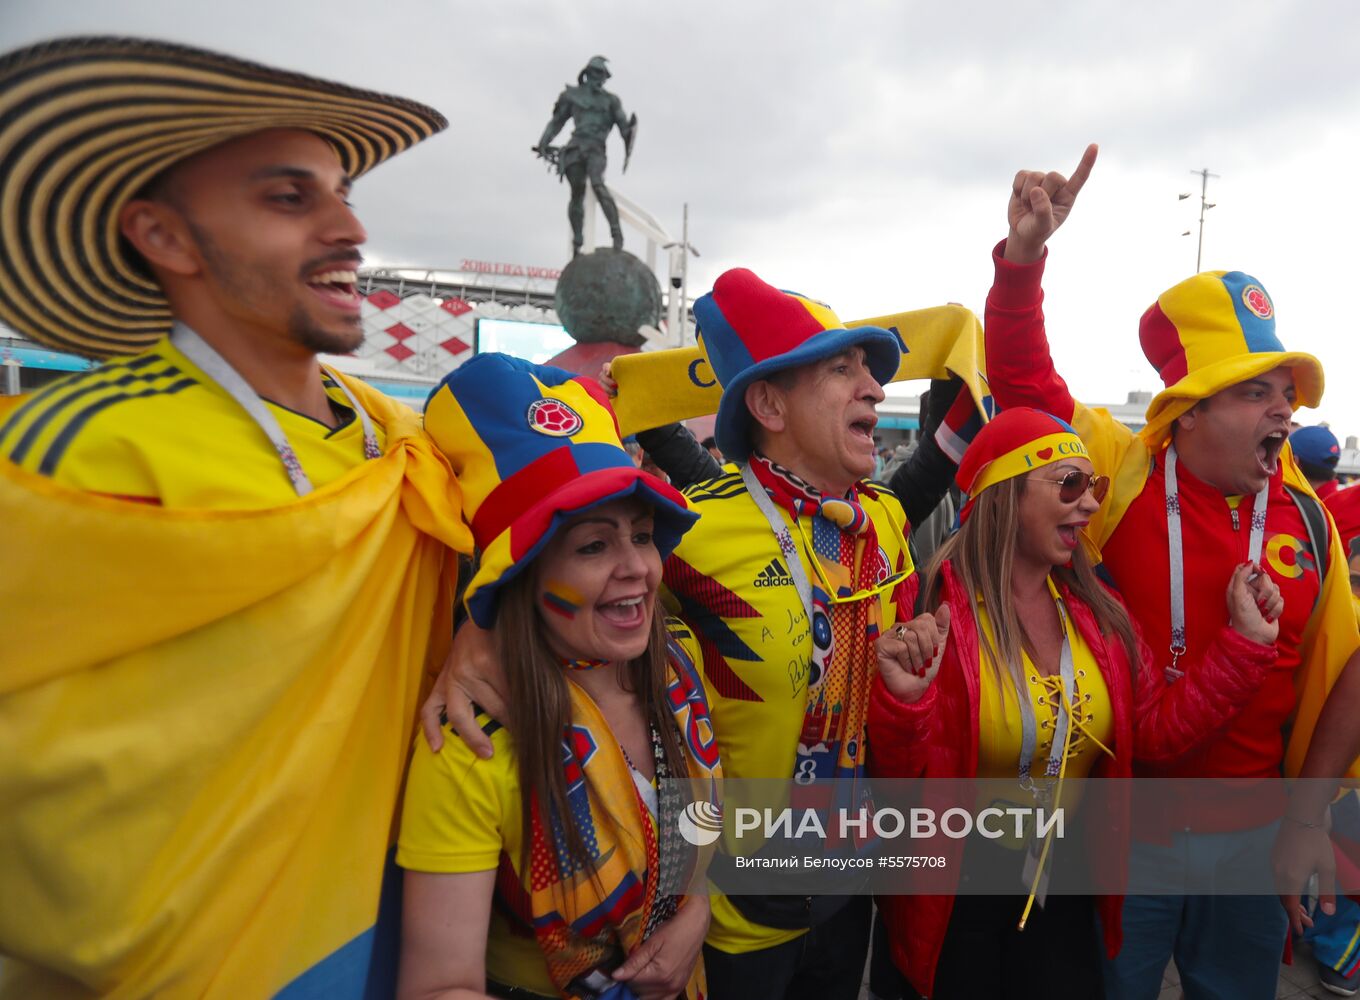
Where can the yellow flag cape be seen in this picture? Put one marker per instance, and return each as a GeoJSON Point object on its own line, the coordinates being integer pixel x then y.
{"type": "Point", "coordinates": [204, 719]}
{"type": "Point", "coordinates": [661, 387]}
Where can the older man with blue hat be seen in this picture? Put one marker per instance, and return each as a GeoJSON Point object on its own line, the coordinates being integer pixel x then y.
{"type": "Point", "coordinates": [798, 565]}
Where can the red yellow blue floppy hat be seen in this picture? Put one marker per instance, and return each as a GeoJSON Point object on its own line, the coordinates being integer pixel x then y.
{"type": "Point", "coordinates": [85, 123]}
{"type": "Point", "coordinates": [1212, 331]}
{"type": "Point", "coordinates": [1011, 444]}
{"type": "Point", "coordinates": [532, 446]}
{"type": "Point", "coordinates": [750, 330]}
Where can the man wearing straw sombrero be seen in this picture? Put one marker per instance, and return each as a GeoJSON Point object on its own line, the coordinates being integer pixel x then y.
{"type": "Point", "coordinates": [227, 567]}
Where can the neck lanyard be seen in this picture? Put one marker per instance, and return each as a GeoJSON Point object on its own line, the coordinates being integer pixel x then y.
{"type": "Point", "coordinates": [1028, 729]}
{"type": "Point", "coordinates": [1176, 552]}
{"type": "Point", "coordinates": [783, 536]}
{"type": "Point", "coordinates": [216, 367]}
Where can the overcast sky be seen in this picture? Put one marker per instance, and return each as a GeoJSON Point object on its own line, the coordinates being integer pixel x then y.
{"type": "Point", "coordinates": [862, 152]}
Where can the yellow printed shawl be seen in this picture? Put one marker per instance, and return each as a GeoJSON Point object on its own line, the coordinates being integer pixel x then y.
{"type": "Point", "coordinates": [204, 718]}
{"type": "Point", "coordinates": [583, 917]}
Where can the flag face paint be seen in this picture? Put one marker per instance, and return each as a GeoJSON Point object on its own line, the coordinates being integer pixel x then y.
{"type": "Point", "coordinates": [562, 599]}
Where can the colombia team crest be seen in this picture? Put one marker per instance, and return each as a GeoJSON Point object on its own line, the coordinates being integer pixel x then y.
{"type": "Point", "coordinates": [1254, 297]}
{"type": "Point", "coordinates": [554, 418]}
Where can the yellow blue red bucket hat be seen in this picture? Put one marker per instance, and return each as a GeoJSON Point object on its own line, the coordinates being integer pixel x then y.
{"type": "Point", "coordinates": [532, 446]}
{"type": "Point", "coordinates": [1212, 331]}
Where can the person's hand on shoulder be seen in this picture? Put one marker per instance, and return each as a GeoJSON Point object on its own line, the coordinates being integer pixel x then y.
{"type": "Point", "coordinates": [470, 675]}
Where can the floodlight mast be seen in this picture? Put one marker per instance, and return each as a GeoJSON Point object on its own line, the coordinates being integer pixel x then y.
{"type": "Point", "coordinates": [1204, 205]}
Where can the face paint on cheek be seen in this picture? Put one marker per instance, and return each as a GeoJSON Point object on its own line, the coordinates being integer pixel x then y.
{"type": "Point", "coordinates": [562, 600]}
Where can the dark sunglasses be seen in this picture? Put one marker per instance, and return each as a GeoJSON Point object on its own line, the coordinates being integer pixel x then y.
{"type": "Point", "coordinates": [1074, 484]}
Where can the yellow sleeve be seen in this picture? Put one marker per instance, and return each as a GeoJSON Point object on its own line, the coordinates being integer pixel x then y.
{"type": "Point", "coordinates": [460, 811]}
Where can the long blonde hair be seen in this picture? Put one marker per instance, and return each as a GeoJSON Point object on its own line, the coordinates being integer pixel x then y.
{"type": "Point", "coordinates": [982, 555]}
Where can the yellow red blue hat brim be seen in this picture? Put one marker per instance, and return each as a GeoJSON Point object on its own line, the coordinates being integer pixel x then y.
{"type": "Point", "coordinates": [732, 428]}
{"type": "Point", "coordinates": [1204, 382]}
{"type": "Point", "coordinates": [672, 518]}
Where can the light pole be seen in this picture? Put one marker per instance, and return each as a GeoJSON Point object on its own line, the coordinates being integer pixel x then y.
{"type": "Point", "coordinates": [1204, 205]}
{"type": "Point", "coordinates": [679, 276]}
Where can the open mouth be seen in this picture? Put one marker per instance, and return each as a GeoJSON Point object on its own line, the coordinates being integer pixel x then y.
{"type": "Point", "coordinates": [1268, 451]}
{"type": "Point", "coordinates": [865, 429]}
{"type": "Point", "coordinates": [1070, 534]}
{"type": "Point", "coordinates": [340, 288]}
{"type": "Point", "coordinates": [627, 613]}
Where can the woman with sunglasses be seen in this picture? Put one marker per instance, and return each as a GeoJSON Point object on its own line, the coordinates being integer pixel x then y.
{"type": "Point", "coordinates": [1034, 685]}
{"type": "Point", "coordinates": [557, 867]}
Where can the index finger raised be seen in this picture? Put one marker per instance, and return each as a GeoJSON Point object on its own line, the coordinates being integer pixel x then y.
{"type": "Point", "coordinates": [1083, 171]}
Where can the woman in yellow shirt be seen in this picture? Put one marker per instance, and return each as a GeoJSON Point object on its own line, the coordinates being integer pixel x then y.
{"type": "Point", "coordinates": [556, 867]}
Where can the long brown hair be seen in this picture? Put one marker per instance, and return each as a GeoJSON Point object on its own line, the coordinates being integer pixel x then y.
{"type": "Point", "coordinates": [982, 555]}
{"type": "Point", "coordinates": [537, 688]}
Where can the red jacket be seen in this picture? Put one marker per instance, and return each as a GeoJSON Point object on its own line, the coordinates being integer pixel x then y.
{"type": "Point", "coordinates": [937, 737]}
{"type": "Point", "coordinates": [1250, 743]}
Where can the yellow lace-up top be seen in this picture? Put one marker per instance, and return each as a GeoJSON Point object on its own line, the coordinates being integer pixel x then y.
{"type": "Point", "coordinates": [999, 713]}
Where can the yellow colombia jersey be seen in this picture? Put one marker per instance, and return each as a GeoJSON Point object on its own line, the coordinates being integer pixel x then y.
{"type": "Point", "coordinates": [154, 428]}
{"type": "Point", "coordinates": [728, 582]}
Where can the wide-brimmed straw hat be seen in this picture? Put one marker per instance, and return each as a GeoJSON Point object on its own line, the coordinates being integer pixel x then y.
{"type": "Point", "coordinates": [1212, 331]}
{"type": "Point", "coordinates": [751, 330]}
{"type": "Point", "coordinates": [534, 446]}
{"type": "Point", "coordinates": [85, 123]}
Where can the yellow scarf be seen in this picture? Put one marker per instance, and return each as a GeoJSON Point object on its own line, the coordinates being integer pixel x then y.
{"type": "Point", "coordinates": [661, 387]}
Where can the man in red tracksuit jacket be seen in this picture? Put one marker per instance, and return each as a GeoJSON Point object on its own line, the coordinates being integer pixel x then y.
{"type": "Point", "coordinates": [1211, 468]}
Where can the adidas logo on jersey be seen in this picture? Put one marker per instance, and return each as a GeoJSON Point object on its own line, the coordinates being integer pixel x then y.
{"type": "Point", "coordinates": [774, 575]}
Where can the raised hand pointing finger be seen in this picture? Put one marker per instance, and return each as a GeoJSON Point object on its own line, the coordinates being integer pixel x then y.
{"type": "Point", "coordinates": [1039, 204]}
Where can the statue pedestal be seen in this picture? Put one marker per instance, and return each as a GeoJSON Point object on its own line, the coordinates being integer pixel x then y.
{"type": "Point", "coordinates": [606, 296]}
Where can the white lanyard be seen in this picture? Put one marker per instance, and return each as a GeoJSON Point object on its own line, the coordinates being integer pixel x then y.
{"type": "Point", "coordinates": [783, 536]}
{"type": "Point", "coordinates": [216, 367]}
{"type": "Point", "coordinates": [1028, 732]}
{"type": "Point", "coordinates": [1176, 552]}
